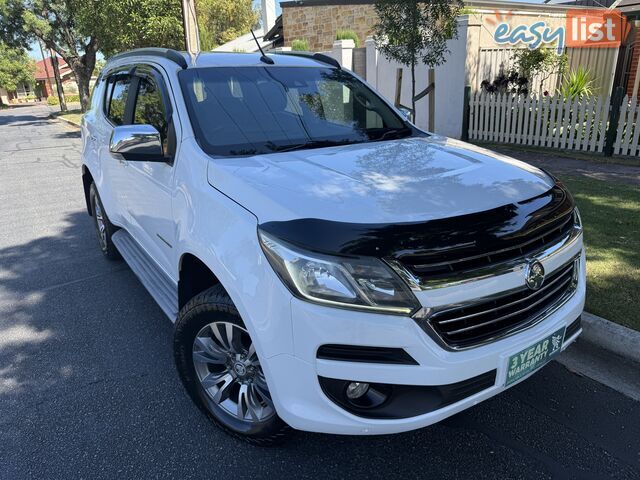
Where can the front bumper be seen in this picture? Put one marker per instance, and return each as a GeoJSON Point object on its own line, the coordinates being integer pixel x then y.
{"type": "Point", "coordinates": [301, 402]}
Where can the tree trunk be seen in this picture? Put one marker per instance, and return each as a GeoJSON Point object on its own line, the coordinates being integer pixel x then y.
{"type": "Point", "coordinates": [83, 79]}
{"type": "Point", "coordinates": [82, 68]}
{"type": "Point", "coordinates": [432, 100]}
{"type": "Point", "coordinates": [56, 74]}
{"type": "Point", "coordinates": [413, 92]}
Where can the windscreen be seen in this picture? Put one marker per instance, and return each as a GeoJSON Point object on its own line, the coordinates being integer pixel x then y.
{"type": "Point", "coordinates": [255, 110]}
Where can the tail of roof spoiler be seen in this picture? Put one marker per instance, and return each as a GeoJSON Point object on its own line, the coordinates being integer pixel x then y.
{"type": "Point", "coordinates": [320, 57]}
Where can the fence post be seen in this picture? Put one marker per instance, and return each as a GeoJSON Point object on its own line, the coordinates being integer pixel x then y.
{"type": "Point", "coordinates": [465, 114]}
{"type": "Point", "coordinates": [372, 62]}
{"type": "Point", "coordinates": [343, 52]}
{"type": "Point", "coordinates": [614, 118]}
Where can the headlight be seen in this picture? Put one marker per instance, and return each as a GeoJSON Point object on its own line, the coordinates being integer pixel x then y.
{"type": "Point", "coordinates": [577, 220]}
{"type": "Point", "coordinates": [361, 283]}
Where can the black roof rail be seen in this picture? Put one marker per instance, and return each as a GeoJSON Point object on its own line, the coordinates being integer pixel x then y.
{"type": "Point", "coordinates": [320, 57]}
{"type": "Point", "coordinates": [169, 54]}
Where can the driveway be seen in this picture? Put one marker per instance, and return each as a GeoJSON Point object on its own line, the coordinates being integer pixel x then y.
{"type": "Point", "coordinates": [88, 388]}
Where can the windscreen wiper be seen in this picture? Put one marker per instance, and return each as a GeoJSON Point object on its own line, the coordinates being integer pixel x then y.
{"type": "Point", "coordinates": [393, 133]}
{"type": "Point", "coordinates": [309, 144]}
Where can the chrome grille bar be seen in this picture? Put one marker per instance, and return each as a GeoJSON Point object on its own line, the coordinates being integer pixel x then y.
{"type": "Point", "coordinates": [468, 325]}
{"type": "Point", "coordinates": [545, 287]}
{"type": "Point", "coordinates": [513, 314]}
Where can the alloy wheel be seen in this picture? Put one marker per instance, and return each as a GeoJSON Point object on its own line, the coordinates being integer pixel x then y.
{"type": "Point", "coordinates": [100, 224]}
{"type": "Point", "coordinates": [229, 371]}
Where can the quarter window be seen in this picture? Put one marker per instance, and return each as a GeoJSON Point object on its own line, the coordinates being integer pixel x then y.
{"type": "Point", "coordinates": [118, 98]}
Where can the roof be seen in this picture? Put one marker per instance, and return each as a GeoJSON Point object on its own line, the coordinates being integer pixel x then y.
{"type": "Point", "coordinates": [232, 59]}
{"type": "Point", "coordinates": [275, 33]}
{"type": "Point", "coordinates": [41, 71]}
{"type": "Point", "coordinates": [629, 6]}
{"type": "Point", "coordinates": [221, 59]}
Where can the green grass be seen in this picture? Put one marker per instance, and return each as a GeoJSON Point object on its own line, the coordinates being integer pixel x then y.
{"type": "Point", "coordinates": [571, 154]}
{"type": "Point", "coordinates": [611, 217]}
{"type": "Point", "coordinates": [73, 116]}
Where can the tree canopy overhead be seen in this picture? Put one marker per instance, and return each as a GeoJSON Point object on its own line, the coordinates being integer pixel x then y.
{"type": "Point", "coordinates": [140, 23]}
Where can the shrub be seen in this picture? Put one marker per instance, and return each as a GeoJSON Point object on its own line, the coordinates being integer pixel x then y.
{"type": "Point", "coordinates": [348, 35]}
{"type": "Point", "coordinates": [300, 45]}
{"type": "Point", "coordinates": [579, 83]}
{"type": "Point", "coordinates": [540, 63]}
{"type": "Point", "coordinates": [53, 99]}
{"type": "Point", "coordinates": [512, 82]}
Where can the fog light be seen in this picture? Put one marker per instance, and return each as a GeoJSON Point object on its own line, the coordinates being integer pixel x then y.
{"type": "Point", "coordinates": [356, 390]}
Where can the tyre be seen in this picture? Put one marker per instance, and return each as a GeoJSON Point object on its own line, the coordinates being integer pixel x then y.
{"type": "Point", "coordinates": [220, 369]}
{"type": "Point", "coordinates": [104, 228]}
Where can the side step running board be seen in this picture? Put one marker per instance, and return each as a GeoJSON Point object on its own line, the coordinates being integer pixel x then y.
{"type": "Point", "coordinates": [163, 290]}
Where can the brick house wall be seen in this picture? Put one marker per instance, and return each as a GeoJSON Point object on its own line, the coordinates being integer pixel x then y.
{"type": "Point", "coordinates": [319, 24]}
{"type": "Point", "coordinates": [633, 67]}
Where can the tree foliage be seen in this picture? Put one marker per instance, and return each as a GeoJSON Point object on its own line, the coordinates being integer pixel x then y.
{"type": "Point", "coordinates": [15, 67]}
{"type": "Point", "coordinates": [77, 29]}
{"type": "Point", "coordinates": [412, 31]}
{"type": "Point", "coordinates": [540, 63]}
{"type": "Point", "coordinates": [58, 24]}
{"type": "Point", "coordinates": [140, 23]}
{"type": "Point", "coordinates": [220, 21]}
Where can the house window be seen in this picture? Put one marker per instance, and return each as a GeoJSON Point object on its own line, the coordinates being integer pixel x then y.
{"type": "Point", "coordinates": [23, 90]}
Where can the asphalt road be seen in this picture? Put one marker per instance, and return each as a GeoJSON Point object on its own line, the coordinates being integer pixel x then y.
{"type": "Point", "coordinates": [88, 387]}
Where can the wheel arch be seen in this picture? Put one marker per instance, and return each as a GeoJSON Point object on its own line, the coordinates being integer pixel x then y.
{"type": "Point", "coordinates": [194, 277]}
{"type": "Point", "coordinates": [87, 180]}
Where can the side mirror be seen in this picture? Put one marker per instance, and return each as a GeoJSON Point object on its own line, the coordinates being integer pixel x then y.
{"type": "Point", "coordinates": [137, 142]}
{"type": "Point", "coordinates": [406, 113]}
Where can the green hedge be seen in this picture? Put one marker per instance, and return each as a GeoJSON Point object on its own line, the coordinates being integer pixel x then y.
{"type": "Point", "coordinates": [53, 99]}
{"type": "Point", "coordinates": [348, 35]}
{"type": "Point", "coordinates": [300, 45]}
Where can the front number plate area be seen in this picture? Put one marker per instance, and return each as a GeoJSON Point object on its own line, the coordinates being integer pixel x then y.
{"type": "Point", "coordinates": [532, 358]}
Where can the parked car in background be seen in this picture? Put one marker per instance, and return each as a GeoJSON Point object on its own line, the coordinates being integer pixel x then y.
{"type": "Point", "coordinates": [328, 266]}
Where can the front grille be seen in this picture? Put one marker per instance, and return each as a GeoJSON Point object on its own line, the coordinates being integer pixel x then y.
{"type": "Point", "coordinates": [471, 324]}
{"type": "Point", "coordinates": [448, 262]}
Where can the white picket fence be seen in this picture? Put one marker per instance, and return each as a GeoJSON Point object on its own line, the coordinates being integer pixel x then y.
{"type": "Point", "coordinates": [544, 121]}
{"type": "Point", "coordinates": [628, 137]}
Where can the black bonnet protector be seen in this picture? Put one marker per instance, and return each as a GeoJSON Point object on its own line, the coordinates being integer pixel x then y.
{"type": "Point", "coordinates": [464, 234]}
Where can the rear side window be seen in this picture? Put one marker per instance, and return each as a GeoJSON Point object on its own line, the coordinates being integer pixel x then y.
{"type": "Point", "coordinates": [117, 99]}
{"type": "Point", "coordinates": [150, 108]}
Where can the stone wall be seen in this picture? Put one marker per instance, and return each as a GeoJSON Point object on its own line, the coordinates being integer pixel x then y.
{"type": "Point", "coordinates": [319, 24]}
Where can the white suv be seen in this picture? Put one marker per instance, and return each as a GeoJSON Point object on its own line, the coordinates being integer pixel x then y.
{"type": "Point", "coordinates": [328, 266]}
